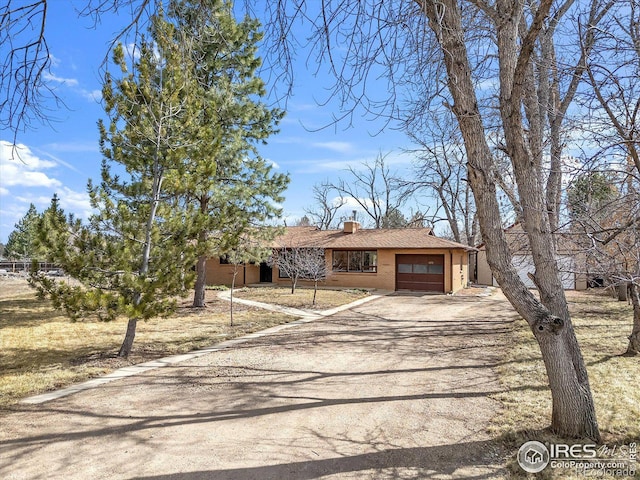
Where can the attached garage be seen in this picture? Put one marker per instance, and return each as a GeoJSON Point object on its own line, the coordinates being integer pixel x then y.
{"type": "Point", "coordinates": [424, 273]}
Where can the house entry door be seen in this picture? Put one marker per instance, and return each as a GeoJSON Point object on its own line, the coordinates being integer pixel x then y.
{"type": "Point", "coordinates": [266, 273]}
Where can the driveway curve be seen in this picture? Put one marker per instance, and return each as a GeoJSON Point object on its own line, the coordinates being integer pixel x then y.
{"type": "Point", "coordinates": [395, 388]}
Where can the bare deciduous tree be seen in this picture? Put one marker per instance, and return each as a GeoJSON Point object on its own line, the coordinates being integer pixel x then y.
{"type": "Point", "coordinates": [297, 263]}
{"type": "Point", "coordinates": [402, 40]}
{"type": "Point", "coordinates": [375, 189]}
{"type": "Point", "coordinates": [326, 206]}
{"type": "Point", "coordinates": [314, 267]}
{"type": "Point", "coordinates": [614, 96]}
{"type": "Point", "coordinates": [441, 171]}
{"type": "Point", "coordinates": [25, 77]}
{"type": "Point", "coordinates": [25, 64]}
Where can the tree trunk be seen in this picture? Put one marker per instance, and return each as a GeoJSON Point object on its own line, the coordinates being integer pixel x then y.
{"type": "Point", "coordinates": [573, 411]}
{"type": "Point", "coordinates": [634, 338]}
{"type": "Point", "coordinates": [201, 282]}
{"type": "Point", "coordinates": [233, 285]}
{"type": "Point", "coordinates": [573, 408]}
{"type": "Point", "coordinates": [622, 289]}
{"type": "Point", "coordinates": [201, 264]}
{"type": "Point", "coordinates": [315, 290]}
{"type": "Point", "coordinates": [127, 344]}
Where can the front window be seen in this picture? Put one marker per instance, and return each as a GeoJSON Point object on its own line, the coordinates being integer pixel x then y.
{"type": "Point", "coordinates": [355, 261]}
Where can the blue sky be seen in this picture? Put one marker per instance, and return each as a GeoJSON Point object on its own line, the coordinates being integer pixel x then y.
{"type": "Point", "coordinates": [61, 157]}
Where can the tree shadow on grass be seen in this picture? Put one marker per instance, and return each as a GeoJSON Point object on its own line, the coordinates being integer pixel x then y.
{"type": "Point", "coordinates": [26, 312]}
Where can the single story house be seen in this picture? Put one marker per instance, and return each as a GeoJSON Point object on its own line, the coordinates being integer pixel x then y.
{"type": "Point", "coordinates": [570, 258]}
{"type": "Point", "coordinates": [411, 259]}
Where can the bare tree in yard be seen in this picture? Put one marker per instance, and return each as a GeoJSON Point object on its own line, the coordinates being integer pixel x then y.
{"type": "Point", "coordinates": [375, 189]}
{"type": "Point", "coordinates": [314, 267]}
{"type": "Point", "coordinates": [247, 248]}
{"type": "Point", "coordinates": [440, 171]}
{"type": "Point", "coordinates": [615, 96]}
{"type": "Point", "coordinates": [511, 44]}
{"type": "Point", "coordinates": [605, 208]}
{"type": "Point", "coordinates": [286, 260]}
{"type": "Point", "coordinates": [326, 206]}
{"type": "Point", "coordinates": [297, 263]}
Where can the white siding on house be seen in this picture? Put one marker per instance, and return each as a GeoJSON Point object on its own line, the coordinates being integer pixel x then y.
{"type": "Point", "coordinates": [524, 265]}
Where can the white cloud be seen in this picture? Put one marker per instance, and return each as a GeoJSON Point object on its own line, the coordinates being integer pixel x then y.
{"type": "Point", "coordinates": [340, 147]}
{"type": "Point", "coordinates": [19, 166]}
{"type": "Point", "coordinates": [22, 154]}
{"type": "Point", "coordinates": [73, 147]}
{"type": "Point", "coordinates": [303, 107]}
{"type": "Point", "coordinates": [23, 169]}
{"type": "Point", "coordinates": [54, 60]}
{"type": "Point", "coordinates": [50, 77]}
{"type": "Point", "coordinates": [76, 202]}
{"type": "Point", "coordinates": [92, 95]}
{"type": "Point", "coordinates": [132, 50]}
{"type": "Point", "coordinates": [352, 203]}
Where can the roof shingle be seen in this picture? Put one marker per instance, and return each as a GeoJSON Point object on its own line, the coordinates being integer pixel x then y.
{"type": "Point", "coordinates": [364, 239]}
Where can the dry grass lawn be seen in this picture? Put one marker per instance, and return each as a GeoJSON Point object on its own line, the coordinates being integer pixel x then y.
{"type": "Point", "coordinates": [602, 325]}
{"type": "Point", "coordinates": [302, 298]}
{"type": "Point", "coordinates": [41, 349]}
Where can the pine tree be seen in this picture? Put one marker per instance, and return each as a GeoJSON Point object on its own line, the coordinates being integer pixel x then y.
{"type": "Point", "coordinates": [20, 244]}
{"type": "Point", "coordinates": [133, 257]}
{"type": "Point", "coordinates": [232, 188]}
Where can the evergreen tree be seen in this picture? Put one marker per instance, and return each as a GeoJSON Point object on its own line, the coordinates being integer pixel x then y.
{"type": "Point", "coordinates": [589, 194]}
{"type": "Point", "coordinates": [20, 244]}
{"type": "Point", "coordinates": [133, 257]}
{"type": "Point", "coordinates": [232, 188]}
{"type": "Point", "coordinates": [393, 218]}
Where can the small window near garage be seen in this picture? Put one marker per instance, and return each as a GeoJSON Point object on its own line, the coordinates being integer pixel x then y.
{"type": "Point", "coordinates": [355, 261]}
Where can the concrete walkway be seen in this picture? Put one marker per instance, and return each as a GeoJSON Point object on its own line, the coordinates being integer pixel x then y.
{"type": "Point", "coordinates": [296, 312]}
{"type": "Point", "coordinates": [399, 387]}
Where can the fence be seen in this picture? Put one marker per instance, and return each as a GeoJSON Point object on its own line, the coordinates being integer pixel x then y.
{"type": "Point", "coordinates": [24, 267]}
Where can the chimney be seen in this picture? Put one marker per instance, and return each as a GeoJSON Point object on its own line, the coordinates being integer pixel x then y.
{"type": "Point", "coordinates": [351, 226]}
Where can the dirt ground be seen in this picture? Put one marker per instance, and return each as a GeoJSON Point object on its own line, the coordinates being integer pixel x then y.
{"type": "Point", "coordinates": [396, 388]}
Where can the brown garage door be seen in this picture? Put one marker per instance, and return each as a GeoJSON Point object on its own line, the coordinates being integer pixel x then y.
{"type": "Point", "coordinates": [420, 272]}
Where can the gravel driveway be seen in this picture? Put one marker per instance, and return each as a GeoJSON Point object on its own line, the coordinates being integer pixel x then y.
{"type": "Point", "coordinates": [395, 388]}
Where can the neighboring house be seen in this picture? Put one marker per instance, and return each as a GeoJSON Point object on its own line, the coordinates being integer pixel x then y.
{"type": "Point", "coordinates": [411, 259]}
{"type": "Point", "coordinates": [570, 261]}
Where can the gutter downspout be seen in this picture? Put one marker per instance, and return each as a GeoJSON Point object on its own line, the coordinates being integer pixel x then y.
{"type": "Point", "coordinates": [451, 270]}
